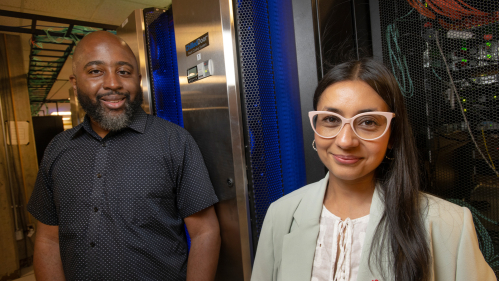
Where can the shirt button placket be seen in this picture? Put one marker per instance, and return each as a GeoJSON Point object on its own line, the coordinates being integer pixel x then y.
{"type": "Point", "coordinates": [97, 203]}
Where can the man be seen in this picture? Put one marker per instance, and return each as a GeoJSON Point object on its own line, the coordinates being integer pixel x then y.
{"type": "Point", "coordinates": [113, 193]}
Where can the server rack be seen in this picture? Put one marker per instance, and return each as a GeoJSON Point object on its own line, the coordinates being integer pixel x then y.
{"type": "Point", "coordinates": [445, 56]}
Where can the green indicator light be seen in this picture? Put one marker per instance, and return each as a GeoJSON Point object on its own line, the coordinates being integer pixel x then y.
{"type": "Point", "coordinates": [465, 110]}
{"type": "Point", "coordinates": [464, 60]}
{"type": "Point", "coordinates": [495, 97]}
{"type": "Point", "coordinates": [464, 100]}
{"type": "Point", "coordinates": [464, 49]}
{"type": "Point", "coordinates": [488, 44]}
{"type": "Point", "coordinates": [426, 4]}
{"type": "Point", "coordinates": [489, 56]}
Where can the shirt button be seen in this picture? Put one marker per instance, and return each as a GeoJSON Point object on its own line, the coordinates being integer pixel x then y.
{"type": "Point", "coordinates": [92, 244]}
{"type": "Point", "coordinates": [103, 144]}
{"type": "Point", "coordinates": [96, 209]}
{"type": "Point", "coordinates": [99, 175]}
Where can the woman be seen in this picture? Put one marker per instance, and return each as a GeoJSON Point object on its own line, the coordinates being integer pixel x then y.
{"type": "Point", "coordinates": [366, 220]}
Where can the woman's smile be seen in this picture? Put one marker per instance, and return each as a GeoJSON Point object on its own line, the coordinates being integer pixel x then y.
{"type": "Point", "coordinates": [344, 159]}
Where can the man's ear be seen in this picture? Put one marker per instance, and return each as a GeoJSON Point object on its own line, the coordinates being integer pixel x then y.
{"type": "Point", "coordinates": [72, 79]}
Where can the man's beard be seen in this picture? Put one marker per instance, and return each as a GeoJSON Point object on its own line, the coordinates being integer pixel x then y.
{"type": "Point", "coordinates": [109, 119]}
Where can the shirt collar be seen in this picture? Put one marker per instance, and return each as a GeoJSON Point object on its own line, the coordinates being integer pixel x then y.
{"type": "Point", "coordinates": [138, 124]}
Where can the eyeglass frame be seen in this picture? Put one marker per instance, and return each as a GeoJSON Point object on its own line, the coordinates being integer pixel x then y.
{"type": "Point", "coordinates": [389, 116]}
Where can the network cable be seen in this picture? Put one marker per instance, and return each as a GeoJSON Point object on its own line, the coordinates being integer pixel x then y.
{"type": "Point", "coordinates": [453, 88]}
{"type": "Point", "coordinates": [397, 58]}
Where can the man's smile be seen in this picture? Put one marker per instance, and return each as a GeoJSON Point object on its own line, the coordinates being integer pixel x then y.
{"type": "Point", "coordinates": [113, 101]}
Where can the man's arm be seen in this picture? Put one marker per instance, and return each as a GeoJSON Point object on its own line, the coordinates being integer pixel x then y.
{"type": "Point", "coordinates": [47, 257]}
{"type": "Point", "coordinates": [205, 245]}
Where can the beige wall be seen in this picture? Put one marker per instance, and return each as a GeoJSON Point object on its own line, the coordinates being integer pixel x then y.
{"type": "Point", "coordinates": [22, 159]}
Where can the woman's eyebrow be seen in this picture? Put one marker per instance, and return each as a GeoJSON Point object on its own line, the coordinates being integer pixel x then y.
{"type": "Point", "coordinates": [366, 110]}
{"type": "Point", "coordinates": [339, 111]}
{"type": "Point", "coordinates": [332, 109]}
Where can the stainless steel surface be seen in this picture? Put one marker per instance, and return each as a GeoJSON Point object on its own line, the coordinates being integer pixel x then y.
{"type": "Point", "coordinates": [307, 78]}
{"type": "Point", "coordinates": [132, 30]}
{"type": "Point", "coordinates": [77, 112]}
{"type": "Point", "coordinates": [212, 114]}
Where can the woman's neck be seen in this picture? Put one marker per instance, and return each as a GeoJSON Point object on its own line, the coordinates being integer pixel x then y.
{"type": "Point", "coordinates": [349, 199]}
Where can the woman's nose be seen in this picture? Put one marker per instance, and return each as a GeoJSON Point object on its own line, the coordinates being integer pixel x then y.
{"type": "Point", "coordinates": [346, 138]}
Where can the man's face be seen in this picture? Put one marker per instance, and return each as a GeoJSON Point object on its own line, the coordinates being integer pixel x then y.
{"type": "Point", "coordinates": [107, 83]}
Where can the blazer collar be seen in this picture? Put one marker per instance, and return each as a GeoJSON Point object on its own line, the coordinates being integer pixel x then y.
{"type": "Point", "coordinates": [299, 245]}
{"type": "Point", "coordinates": [309, 210]}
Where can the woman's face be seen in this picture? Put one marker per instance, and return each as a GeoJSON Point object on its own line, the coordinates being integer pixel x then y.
{"type": "Point", "coordinates": [347, 157]}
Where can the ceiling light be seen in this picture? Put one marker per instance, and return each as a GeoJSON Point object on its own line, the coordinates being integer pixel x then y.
{"type": "Point", "coordinates": [61, 113]}
{"type": "Point", "coordinates": [66, 118]}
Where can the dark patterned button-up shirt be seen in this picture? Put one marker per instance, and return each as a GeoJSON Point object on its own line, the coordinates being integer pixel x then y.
{"type": "Point", "coordinates": [120, 201]}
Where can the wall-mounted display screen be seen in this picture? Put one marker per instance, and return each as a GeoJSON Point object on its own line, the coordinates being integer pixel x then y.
{"type": "Point", "coordinates": [192, 74]}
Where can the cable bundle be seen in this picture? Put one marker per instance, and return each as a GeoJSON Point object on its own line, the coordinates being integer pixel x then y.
{"type": "Point", "coordinates": [463, 15]}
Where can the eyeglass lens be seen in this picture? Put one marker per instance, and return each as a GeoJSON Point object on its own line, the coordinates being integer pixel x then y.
{"type": "Point", "coordinates": [366, 126]}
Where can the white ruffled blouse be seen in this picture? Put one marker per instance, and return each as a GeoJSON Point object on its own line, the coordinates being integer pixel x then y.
{"type": "Point", "coordinates": [340, 240]}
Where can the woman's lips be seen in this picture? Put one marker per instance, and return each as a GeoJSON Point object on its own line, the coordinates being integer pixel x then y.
{"type": "Point", "coordinates": [346, 159]}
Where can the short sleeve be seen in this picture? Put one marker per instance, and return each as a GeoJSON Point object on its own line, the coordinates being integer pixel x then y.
{"type": "Point", "coordinates": [194, 189]}
{"type": "Point", "coordinates": [41, 204]}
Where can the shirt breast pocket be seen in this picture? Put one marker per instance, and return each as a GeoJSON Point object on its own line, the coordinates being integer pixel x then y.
{"type": "Point", "coordinates": [146, 195]}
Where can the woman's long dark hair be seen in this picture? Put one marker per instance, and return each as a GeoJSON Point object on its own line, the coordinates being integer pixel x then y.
{"type": "Point", "coordinates": [401, 232]}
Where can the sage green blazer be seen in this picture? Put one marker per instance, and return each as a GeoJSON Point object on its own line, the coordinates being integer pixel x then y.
{"type": "Point", "coordinates": [288, 239]}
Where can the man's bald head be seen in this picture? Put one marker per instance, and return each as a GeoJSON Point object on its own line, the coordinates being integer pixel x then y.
{"type": "Point", "coordinates": [97, 39]}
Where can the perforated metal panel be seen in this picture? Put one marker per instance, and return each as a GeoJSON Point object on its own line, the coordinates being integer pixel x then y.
{"type": "Point", "coordinates": [271, 103]}
{"type": "Point", "coordinates": [163, 70]}
{"type": "Point", "coordinates": [445, 57]}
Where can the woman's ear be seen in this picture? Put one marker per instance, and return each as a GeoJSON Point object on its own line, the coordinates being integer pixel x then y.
{"type": "Point", "coordinates": [390, 143]}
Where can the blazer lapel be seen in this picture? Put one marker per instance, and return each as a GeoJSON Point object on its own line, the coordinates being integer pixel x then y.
{"type": "Point", "coordinates": [366, 274]}
{"type": "Point", "coordinates": [299, 245]}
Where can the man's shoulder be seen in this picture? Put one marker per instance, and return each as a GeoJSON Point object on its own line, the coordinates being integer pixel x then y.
{"type": "Point", "coordinates": [66, 135]}
{"type": "Point", "coordinates": [158, 123]}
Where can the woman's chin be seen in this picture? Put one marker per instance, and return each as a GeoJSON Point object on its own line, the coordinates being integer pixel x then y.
{"type": "Point", "coordinates": [349, 176]}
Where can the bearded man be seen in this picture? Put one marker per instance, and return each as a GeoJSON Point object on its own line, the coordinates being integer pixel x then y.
{"type": "Point", "coordinates": [113, 194]}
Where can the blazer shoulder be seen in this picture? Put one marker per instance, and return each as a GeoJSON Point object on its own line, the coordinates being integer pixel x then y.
{"type": "Point", "coordinates": [292, 199]}
{"type": "Point", "coordinates": [445, 222]}
{"type": "Point", "coordinates": [442, 210]}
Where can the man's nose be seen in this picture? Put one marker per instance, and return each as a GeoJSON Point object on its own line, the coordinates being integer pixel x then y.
{"type": "Point", "coordinates": [112, 81]}
{"type": "Point", "coordinates": [346, 138]}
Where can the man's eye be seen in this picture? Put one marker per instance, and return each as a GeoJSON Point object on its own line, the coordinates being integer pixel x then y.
{"type": "Point", "coordinates": [94, 71]}
{"type": "Point", "coordinates": [123, 72]}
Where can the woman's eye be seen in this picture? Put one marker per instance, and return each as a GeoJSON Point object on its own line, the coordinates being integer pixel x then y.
{"type": "Point", "coordinates": [331, 119]}
{"type": "Point", "coordinates": [369, 123]}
